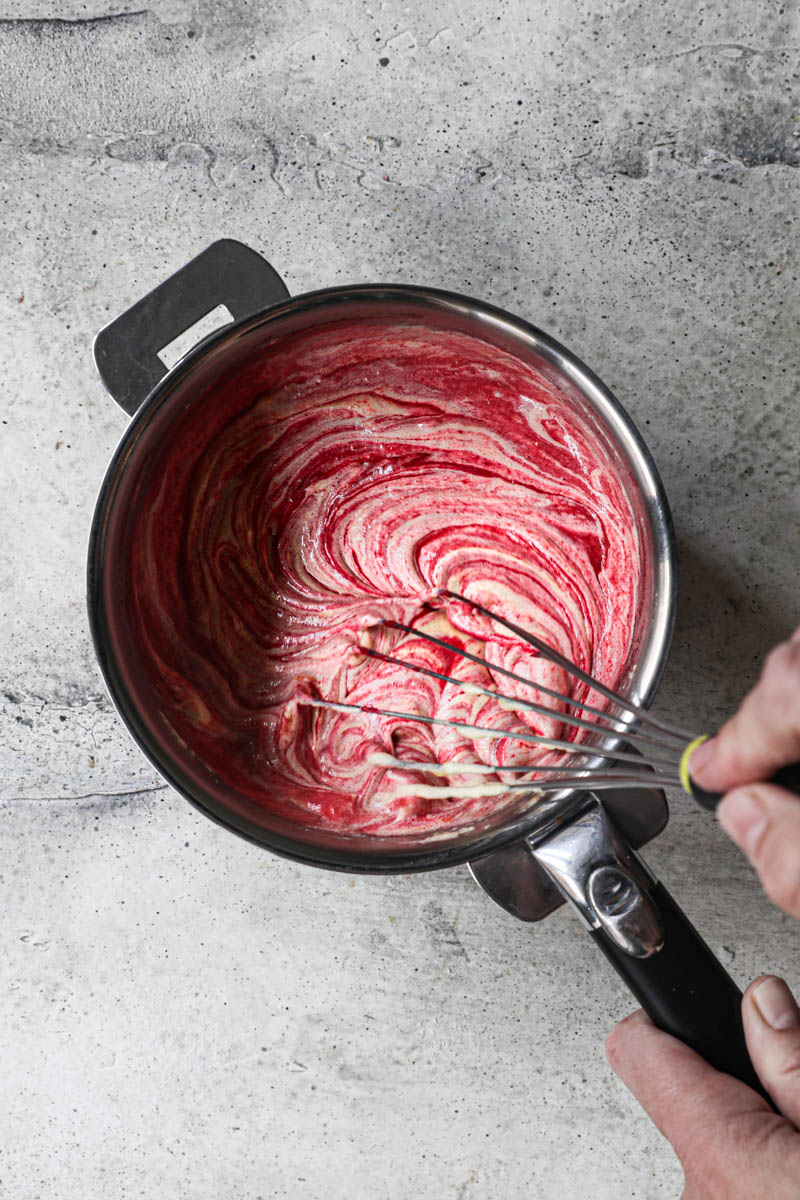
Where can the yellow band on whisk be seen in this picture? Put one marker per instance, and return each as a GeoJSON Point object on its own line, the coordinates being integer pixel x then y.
{"type": "Point", "coordinates": [687, 754]}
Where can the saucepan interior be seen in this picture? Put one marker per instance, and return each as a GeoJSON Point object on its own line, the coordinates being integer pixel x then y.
{"type": "Point", "coordinates": [142, 447]}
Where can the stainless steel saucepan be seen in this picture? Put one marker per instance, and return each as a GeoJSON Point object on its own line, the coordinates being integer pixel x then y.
{"type": "Point", "coordinates": [571, 846]}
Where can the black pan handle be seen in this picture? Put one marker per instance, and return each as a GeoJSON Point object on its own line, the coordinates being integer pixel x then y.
{"type": "Point", "coordinates": [647, 939]}
{"type": "Point", "coordinates": [226, 274]}
{"type": "Point", "coordinates": [686, 991]}
{"type": "Point", "coordinates": [787, 777]}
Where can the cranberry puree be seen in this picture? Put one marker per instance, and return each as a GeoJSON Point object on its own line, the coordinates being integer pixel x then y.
{"type": "Point", "coordinates": [340, 478]}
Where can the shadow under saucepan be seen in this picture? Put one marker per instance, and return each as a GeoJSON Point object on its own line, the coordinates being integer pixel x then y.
{"type": "Point", "coordinates": [726, 624]}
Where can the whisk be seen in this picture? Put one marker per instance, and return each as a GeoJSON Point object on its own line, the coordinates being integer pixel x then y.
{"type": "Point", "coordinates": [663, 749]}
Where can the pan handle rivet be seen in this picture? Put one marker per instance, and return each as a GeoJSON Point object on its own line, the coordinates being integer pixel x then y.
{"type": "Point", "coordinates": [623, 908]}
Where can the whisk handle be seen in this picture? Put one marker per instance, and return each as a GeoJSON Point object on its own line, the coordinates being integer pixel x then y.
{"type": "Point", "coordinates": [686, 991]}
{"type": "Point", "coordinates": [787, 777]}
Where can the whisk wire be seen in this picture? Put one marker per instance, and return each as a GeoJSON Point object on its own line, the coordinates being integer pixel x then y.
{"type": "Point", "coordinates": [542, 688]}
{"type": "Point", "coordinates": [542, 709]}
{"type": "Point", "coordinates": [591, 781]}
{"type": "Point", "coordinates": [481, 731]}
{"type": "Point", "coordinates": [455, 767]}
{"type": "Point", "coordinates": [555, 783]}
{"type": "Point", "coordinates": [572, 668]}
{"type": "Point", "coordinates": [666, 737]}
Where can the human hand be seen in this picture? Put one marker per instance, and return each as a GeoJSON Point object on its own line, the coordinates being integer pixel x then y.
{"type": "Point", "coordinates": [763, 820]}
{"type": "Point", "coordinates": [730, 1143]}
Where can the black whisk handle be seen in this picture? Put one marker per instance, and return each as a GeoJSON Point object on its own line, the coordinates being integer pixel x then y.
{"type": "Point", "coordinates": [787, 777]}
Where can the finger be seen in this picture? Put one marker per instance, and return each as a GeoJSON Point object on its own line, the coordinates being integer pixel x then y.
{"type": "Point", "coordinates": [694, 1106]}
{"type": "Point", "coordinates": [728, 1139]}
{"type": "Point", "coordinates": [765, 732]}
{"type": "Point", "coordinates": [772, 1028]}
{"type": "Point", "coordinates": [764, 821]}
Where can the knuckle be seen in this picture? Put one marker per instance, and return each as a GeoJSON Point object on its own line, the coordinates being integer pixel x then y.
{"type": "Point", "coordinates": [735, 744]}
{"type": "Point", "coordinates": [702, 1167]}
{"type": "Point", "coordinates": [788, 1065]}
{"type": "Point", "coordinates": [738, 1163]}
{"type": "Point", "coordinates": [612, 1046]}
{"type": "Point", "coordinates": [773, 663]}
{"type": "Point", "coordinates": [700, 1147]}
{"type": "Point", "coordinates": [782, 667]}
{"type": "Point", "coordinates": [617, 1040]}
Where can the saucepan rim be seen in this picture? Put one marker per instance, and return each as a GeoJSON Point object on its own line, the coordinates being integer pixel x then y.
{"type": "Point", "coordinates": [541, 816]}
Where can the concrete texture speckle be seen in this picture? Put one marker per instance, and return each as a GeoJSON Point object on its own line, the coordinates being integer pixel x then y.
{"type": "Point", "coordinates": [183, 1014]}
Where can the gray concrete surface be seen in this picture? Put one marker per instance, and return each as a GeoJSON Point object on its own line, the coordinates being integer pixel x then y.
{"type": "Point", "coordinates": [184, 1016]}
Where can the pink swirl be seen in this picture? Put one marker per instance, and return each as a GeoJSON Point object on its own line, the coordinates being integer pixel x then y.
{"type": "Point", "coordinates": [343, 478]}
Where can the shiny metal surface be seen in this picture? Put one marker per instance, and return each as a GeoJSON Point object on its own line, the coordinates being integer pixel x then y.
{"type": "Point", "coordinates": [606, 883]}
{"type": "Point", "coordinates": [515, 880]}
{"type": "Point", "coordinates": [107, 583]}
{"type": "Point", "coordinates": [625, 911]}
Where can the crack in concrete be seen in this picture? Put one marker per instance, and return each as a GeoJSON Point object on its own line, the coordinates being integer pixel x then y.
{"type": "Point", "coordinates": [743, 51]}
{"type": "Point", "coordinates": [283, 171]}
{"type": "Point", "coordinates": [71, 703]}
{"type": "Point", "coordinates": [99, 796]}
{"type": "Point", "coordinates": [38, 25]}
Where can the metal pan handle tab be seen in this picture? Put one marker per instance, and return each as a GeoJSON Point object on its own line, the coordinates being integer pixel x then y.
{"type": "Point", "coordinates": [126, 351]}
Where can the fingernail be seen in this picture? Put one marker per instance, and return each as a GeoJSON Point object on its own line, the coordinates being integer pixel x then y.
{"type": "Point", "coordinates": [743, 817]}
{"type": "Point", "coordinates": [701, 757]}
{"type": "Point", "coordinates": [776, 1003]}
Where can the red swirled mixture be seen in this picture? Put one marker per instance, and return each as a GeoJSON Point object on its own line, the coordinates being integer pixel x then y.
{"type": "Point", "coordinates": [343, 478]}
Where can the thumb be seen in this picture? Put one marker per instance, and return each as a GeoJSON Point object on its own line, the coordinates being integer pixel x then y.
{"type": "Point", "coordinates": [713, 1121]}
{"type": "Point", "coordinates": [772, 1028]}
{"type": "Point", "coordinates": [764, 821]}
